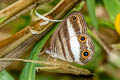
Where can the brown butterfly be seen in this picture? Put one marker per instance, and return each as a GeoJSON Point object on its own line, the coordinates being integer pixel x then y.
{"type": "Point", "coordinates": [70, 42]}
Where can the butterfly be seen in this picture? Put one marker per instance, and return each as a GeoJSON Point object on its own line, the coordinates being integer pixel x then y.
{"type": "Point", "coordinates": [71, 42]}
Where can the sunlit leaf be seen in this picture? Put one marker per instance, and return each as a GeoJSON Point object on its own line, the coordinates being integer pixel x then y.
{"type": "Point", "coordinates": [4, 75]}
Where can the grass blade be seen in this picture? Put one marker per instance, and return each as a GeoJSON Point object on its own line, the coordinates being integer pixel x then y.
{"type": "Point", "coordinates": [91, 10]}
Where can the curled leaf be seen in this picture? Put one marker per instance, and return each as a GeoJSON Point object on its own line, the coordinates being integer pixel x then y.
{"type": "Point", "coordinates": [45, 18]}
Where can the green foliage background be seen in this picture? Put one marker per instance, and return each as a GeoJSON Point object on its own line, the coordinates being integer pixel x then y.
{"type": "Point", "coordinates": [28, 73]}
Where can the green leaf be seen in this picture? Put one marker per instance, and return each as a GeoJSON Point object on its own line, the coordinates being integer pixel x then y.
{"type": "Point", "coordinates": [4, 75]}
{"type": "Point", "coordinates": [101, 22]}
{"type": "Point", "coordinates": [106, 23]}
{"type": "Point", "coordinates": [2, 19]}
{"type": "Point", "coordinates": [78, 7]}
{"type": "Point", "coordinates": [112, 7]}
{"type": "Point", "coordinates": [54, 2]}
{"type": "Point", "coordinates": [91, 10]}
{"type": "Point", "coordinates": [21, 23]}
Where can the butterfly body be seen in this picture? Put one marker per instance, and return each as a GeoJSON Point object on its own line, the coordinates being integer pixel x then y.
{"type": "Point", "coordinates": [70, 42]}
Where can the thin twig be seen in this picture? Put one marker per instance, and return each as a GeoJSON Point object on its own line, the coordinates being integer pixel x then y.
{"type": "Point", "coordinates": [53, 67]}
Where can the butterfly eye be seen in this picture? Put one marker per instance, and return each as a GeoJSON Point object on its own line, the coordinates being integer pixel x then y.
{"type": "Point", "coordinates": [82, 38]}
{"type": "Point", "coordinates": [85, 54]}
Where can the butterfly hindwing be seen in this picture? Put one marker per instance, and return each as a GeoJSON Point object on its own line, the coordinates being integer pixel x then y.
{"type": "Point", "coordinates": [71, 42]}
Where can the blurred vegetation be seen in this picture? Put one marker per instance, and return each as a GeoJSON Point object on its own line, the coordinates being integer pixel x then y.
{"type": "Point", "coordinates": [100, 15]}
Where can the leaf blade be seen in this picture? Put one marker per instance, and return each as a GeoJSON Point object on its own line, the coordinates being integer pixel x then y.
{"type": "Point", "coordinates": [91, 10]}
{"type": "Point", "coordinates": [112, 7]}
{"type": "Point", "coordinates": [4, 75]}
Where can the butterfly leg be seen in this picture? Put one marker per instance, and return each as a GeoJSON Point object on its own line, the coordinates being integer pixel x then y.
{"type": "Point", "coordinates": [50, 51]}
{"type": "Point", "coordinates": [55, 58]}
{"type": "Point", "coordinates": [42, 52]}
{"type": "Point", "coordinates": [48, 57]}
